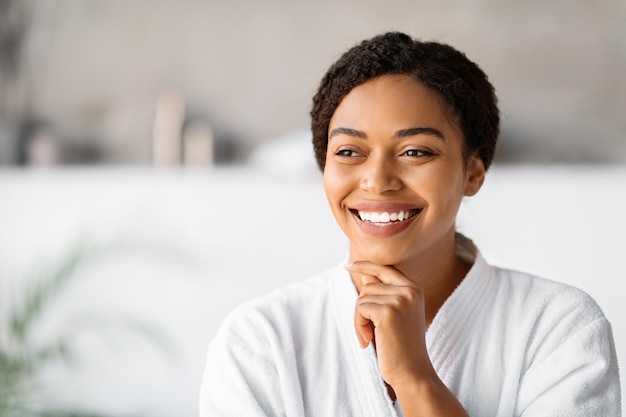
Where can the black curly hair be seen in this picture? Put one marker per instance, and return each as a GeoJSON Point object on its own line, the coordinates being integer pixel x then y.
{"type": "Point", "coordinates": [459, 81]}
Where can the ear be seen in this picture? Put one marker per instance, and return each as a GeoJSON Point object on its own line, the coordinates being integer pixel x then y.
{"type": "Point", "coordinates": [474, 175]}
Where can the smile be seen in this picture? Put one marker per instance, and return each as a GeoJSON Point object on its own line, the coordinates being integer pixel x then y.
{"type": "Point", "coordinates": [385, 218]}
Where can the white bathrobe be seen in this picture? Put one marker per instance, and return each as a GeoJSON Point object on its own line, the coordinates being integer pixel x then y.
{"type": "Point", "coordinates": [505, 343]}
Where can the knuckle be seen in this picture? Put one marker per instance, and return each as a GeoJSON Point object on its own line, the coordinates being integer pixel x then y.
{"type": "Point", "coordinates": [412, 295]}
{"type": "Point", "coordinates": [397, 301]}
{"type": "Point", "coordinates": [387, 314]}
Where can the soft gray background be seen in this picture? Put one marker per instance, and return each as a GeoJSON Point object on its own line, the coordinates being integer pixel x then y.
{"type": "Point", "coordinates": [93, 69]}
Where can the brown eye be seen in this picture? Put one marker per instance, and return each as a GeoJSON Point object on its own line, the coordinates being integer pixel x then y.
{"type": "Point", "coordinates": [348, 153]}
{"type": "Point", "coordinates": [417, 153]}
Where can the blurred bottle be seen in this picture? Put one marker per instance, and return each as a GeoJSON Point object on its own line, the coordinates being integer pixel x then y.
{"type": "Point", "coordinates": [167, 129]}
{"type": "Point", "coordinates": [198, 143]}
{"type": "Point", "coordinates": [38, 145]}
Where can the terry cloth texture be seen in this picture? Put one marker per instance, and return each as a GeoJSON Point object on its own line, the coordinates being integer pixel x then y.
{"type": "Point", "coordinates": [505, 343]}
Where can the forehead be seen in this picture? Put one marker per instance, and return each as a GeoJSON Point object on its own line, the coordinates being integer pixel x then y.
{"type": "Point", "coordinates": [393, 102]}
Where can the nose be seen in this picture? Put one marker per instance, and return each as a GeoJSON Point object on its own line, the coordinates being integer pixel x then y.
{"type": "Point", "coordinates": [380, 175]}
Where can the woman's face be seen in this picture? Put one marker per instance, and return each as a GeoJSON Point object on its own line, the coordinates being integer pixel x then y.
{"type": "Point", "coordinates": [394, 174]}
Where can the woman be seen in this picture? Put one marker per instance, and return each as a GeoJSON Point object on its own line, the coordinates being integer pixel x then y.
{"type": "Point", "coordinates": [416, 323]}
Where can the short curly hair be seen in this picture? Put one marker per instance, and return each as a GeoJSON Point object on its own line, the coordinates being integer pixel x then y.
{"type": "Point", "coordinates": [459, 81]}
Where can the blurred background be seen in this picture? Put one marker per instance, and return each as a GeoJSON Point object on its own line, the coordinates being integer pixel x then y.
{"type": "Point", "coordinates": [156, 171]}
{"type": "Point", "coordinates": [97, 80]}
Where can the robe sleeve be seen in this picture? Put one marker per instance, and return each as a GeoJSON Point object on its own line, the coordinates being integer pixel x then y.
{"type": "Point", "coordinates": [239, 378]}
{"type": "Point", "coordinates": [574, 372]}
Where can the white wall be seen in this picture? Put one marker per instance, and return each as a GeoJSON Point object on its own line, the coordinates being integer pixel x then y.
{"type": "Point", "coordinates": [186, 247]}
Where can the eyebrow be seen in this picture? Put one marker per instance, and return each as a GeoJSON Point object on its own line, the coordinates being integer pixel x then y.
{"type": "Point", "coordinates": [348, 132]}
{"type": "Point", "coordinates": [414, 131]}
{"type": "Point", "coordinates": [404, 133]}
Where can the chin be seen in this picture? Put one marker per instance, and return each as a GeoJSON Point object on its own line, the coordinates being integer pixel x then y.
{"type": "Point", "coordinates": [380, 256]}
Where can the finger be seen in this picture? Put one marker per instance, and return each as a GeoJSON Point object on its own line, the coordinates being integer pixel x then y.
{"type": "Point", "coordinates": [391, 307]}
{"type": "Point", "coordinates": [369, 279]}
{"type": "Point", "coordinates": [364, 330]}
{"type": "Point", "coordinates": [371, 311]}
{"type": "Point", "coordinates": [378, 288]}
{"type": "Point", "coordinates": [385, 273]}
{"type": "Point", "coordinates": [365, 278]}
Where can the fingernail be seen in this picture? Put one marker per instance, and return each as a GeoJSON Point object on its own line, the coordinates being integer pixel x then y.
{"type": "Point", "coordinates": [348, 265]}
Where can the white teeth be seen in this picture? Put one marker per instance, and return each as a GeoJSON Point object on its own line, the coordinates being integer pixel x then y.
{"type": "Point", "coordinates": [384, 217]}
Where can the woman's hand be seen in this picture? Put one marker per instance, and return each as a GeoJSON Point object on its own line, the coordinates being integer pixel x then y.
{"type": "Point", "coordinates": [390, 312]}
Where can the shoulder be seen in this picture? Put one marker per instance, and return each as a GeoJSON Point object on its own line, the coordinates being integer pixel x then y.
{"type": "Point", "coordinates": [547, 314]}
{"type": "Point", "coordinates": [250, 361]}
{"type": "Point", "coordinates": [538, 296]}
{"type": "Point", "coordinates": [513, 296]}
{"type": "Point", "coordinates": [563, 345]}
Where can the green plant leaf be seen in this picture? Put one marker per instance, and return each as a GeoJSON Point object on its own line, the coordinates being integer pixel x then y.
{"type": "Point", "coordinates": [44, 290]}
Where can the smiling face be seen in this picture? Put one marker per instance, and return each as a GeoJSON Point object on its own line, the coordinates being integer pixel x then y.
{"type": "Point", "coordinates": [395, 173]}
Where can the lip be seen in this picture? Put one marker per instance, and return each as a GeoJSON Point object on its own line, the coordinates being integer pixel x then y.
{"type": "Point", "coordinates": [387, 230]}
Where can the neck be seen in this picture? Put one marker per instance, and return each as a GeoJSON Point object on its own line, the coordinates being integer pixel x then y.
{"type": "Point", "coordinates": [438, 275]}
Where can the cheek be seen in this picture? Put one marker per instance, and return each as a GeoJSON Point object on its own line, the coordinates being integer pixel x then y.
{"type": "Point", "coordinates": [454, 196]}
{"type": "Point", "coordinates": [337, 185]}
{"type": "Point", "coordinates": [332, 185]}
{"type": "Point", "coordinates": [443, 188]}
